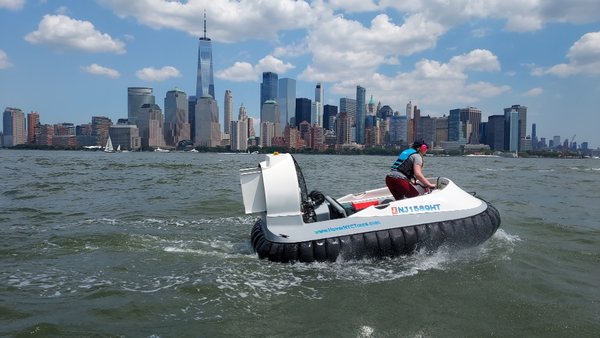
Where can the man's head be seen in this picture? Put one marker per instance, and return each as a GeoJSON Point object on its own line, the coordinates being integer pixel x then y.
{"type": "Point", "coordinates": [420, 146]}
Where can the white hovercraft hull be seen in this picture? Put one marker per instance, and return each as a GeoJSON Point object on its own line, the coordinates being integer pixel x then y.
{"type": "Point", "coordinates": [295, 227]}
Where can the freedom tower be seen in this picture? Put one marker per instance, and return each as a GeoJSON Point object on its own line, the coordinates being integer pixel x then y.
{"type": "Point", "coordinates": [206, 127]}
{"type": "Point", "coordinates": [205, 85]}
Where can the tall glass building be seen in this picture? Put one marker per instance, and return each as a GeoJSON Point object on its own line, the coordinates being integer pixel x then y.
{"type": "Point", "coordinates": [136, 98]}
{"type": "Point", "coordinates": [361, 96]}
{"type": "Point", "coordinates": [228, 111]}
{"type": "Point", "coordinates": [176, 127]}
{"type": "Point", "coordinates": [286, 99]}
{"type": "Point", "coordinates": [522, 124]}
{"type": "Point", "coordinates": [205, 84]}
{"type": "Point", "coordinates": [268, 88]}
{"type": "Point", "coordinates": [13, 123]}
{"type": "Point", "coordinates": [303, 109]}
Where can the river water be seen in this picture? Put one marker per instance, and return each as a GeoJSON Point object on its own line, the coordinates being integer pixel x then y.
{"type": "Point", "coordinates": [157, 245]}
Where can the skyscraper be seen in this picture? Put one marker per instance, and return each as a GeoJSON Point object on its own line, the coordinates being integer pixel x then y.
{"type": "Point", "coordinates": [286, 97]}
{"type": "Point", "coordinates": [270, 113]}
{"type": "Point", "coordinates": [361, 94]}
{"type": "Point", "coordinates": [303, 109]}
{"type": "Point", "coordinates": [398, 131]}
{"type": "Point", "coordinates": [33, 121]}
{"type": "Point", "coordinates": [150, 123]}
{"type": "Point", "coordinates": [470, 118]}
{"type": "Point", "coordinates": [495, 132]}
{"type": "Point", "coordinates": [208, 130]}
{"type": "Point", "coordinates": [319, 97]}
{"type": "Point", "coordinates": [177, 126]}
{"type": "Point", "coordinates": [348, 106]}
{"type": "Point", "coordinates": [512, 125]}
{"type": "Point", "coordinates": [239, 135]}
{"type": "Point", "coordinates": [522, 124]}
{"type": "Point", "coordinates": [13, 123]}
{"type": "Point", "coordinates": [205, 84]}
{"type": "Point", "coordinates": [329, 113]}
{"type": "Point", "coordinates": [100, 127]}
{"type": "Point", "coordinates": [227, 111]}
{"type": "Point", "coordinates": [136, 97]}
{"type": "Point", "coordinates": [454, 126]}
{"type": "Point", "coordinates": [268, 88]}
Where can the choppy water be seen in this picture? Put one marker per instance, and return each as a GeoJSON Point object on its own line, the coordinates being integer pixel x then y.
{"type": "Point", "coordinates": [156, 244]}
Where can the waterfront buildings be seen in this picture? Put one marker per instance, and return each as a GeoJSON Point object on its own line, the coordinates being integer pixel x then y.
{"type": "Point", "coordinates": [203, 108]}
{"type": "Point", "coordinates": [13, 123]}
{"type": "Point", "coordinates": [329, 114]}
{"type": "Point", "coordinates": [511, 143]}
{"type": "Point", "coordinates": [227, 112]}
{"type": "Point", "coordinates": [521, 125]}
{"type": "Point", "coordinates": [239, 135]}
{"type": "Point", "coordinates": [208, 130]}
{"type": "Point", "coordinates": [136, 98]}
{"type": "Point", "coordinates": [317, 106]}
{"type": "Point", "coordinates": [33, 121]}
{"type": "Point", "coordinates": [286, 98]}
{"type": "Point", "coordinates": [177, 126]}
{"type": "Point", "coordinates": [270, 113]}
{"type": "Point", "coordinates": [205, 84]}
{"type": "Point", "coordinates": [360, 114]}
{"type": "Point", "coordinates": [398, 129]}
{"type": "Point", "coordinates": [469, 119]}
{"type": "Point", "coordinates": [150, 123]}
{"type": "Point", "coordinates": [100, 127]}
{"type": "Point", "coordinates": [125, 136]}
{"type": "Point", "coordinates": [495, 132]}
{"type": "Point", "coordinates": [303, 111]}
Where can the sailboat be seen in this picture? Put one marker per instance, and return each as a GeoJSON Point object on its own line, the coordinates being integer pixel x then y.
{"type": "Point", "coordinates": [119, 148]}
{"type": "Point", "coordinates": [109, 147]}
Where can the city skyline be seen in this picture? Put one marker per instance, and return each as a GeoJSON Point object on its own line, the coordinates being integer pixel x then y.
{"type": "Point", "coordinates": [541, 56]}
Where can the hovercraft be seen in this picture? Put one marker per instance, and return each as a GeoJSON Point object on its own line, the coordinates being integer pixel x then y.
{"type": "Point", "coordinates": [297, 226]}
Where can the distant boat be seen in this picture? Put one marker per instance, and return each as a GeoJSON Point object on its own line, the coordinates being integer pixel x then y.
{"type": "Point", "coordinates": [194, 150]}
{"type": "Point", "coordinates": [119, 148]}
{"type": "Point", "coordinates": [160, 150]}
{"type": "Point", "coordinates": [109, 147]}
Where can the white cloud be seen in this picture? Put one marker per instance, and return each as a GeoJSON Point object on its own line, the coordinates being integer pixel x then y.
{"type": "Point", "coordinates": [368, 48]}
{"type": "Point", "coordinates": [12, 4]}
{"type": "Point", "coordinates": [227, 21]}
{"type": "Point", "coordinates": [244, 71]}
{"type": "Point", "coordinates": [292, 50]}
{"type": "Point", "coordinates": [584, 58]}
{"type": "Point", "coordinates": [239, 72]}
{"type": "Point", "coordinates": [272, 64]}
{"type": "Point", "coordinates": [4, 62]}
{"type": "Point", "coordinates": [431, 83]}
{"type": "Point", "coordinates": [62, 32]}
{"type": "Point", "coordinates": [157, 75]}
{"type": "Point", "coordinates": [533, 92]}
{"type": "Point", "coordinates": [478, 59]}
{"type": "Point", "coordinates": [100, 70]}
{"type": "Point", "coordinates": [520, 15]}
{"type": "Point", "coordinates": [352, 6]}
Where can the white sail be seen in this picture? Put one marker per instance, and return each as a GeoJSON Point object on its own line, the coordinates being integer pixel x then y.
{"type": "Point", "coordinates": [109, 147]}
{"type": "Point", "coordinates": [119, 148]}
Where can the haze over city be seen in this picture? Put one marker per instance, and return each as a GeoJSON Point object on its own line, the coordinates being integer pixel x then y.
{"type": "Point", "coordinates": [69, 60]}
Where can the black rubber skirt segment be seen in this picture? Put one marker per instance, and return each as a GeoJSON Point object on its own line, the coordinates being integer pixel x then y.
{"type": "Point", "coordinates": [464, 232]}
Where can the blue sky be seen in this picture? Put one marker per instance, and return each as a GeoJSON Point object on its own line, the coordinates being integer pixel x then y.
{"type": "Point", "coordinates": [69, 60]}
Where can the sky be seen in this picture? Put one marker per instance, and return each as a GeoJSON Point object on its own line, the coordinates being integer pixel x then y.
{"type": "Point", "coordinates": [71, 59]}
